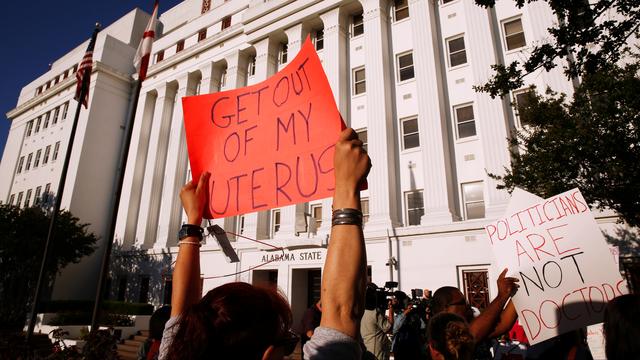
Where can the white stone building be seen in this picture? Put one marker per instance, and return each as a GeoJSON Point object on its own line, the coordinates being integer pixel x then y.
{"type": "Point", "coordinates": [39, 135]}
{"type": "Point", "coordinates": [402, 74]}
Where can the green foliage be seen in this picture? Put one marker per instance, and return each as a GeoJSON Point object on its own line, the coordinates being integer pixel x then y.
{"type": "Point", "coordinates": [23, 234]}
{"type": "Point", "coordinates": [100, 345]}
{"type": "Point", "coordinates": [588, 32]}
{"type": "Point", "coordinates": [591, 142]}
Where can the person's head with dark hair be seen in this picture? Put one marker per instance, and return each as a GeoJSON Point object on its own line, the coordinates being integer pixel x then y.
{"type": "Point", "coordinates": [621, 329]}
{"type": "Point", "coordinates": [234, 321]}
{"type": "Point", "coordinates": [400, 300]}
{"type": "Point", "coordinates": [370, 297]}
{"type": "Point", "coordinates": [450, 299]}
{"type": "Point", "coordinates": [157, 321]}
{"type": "Point", "coordinates": [450, 338]}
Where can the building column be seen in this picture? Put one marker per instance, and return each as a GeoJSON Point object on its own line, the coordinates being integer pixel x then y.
{"type": "Point", "coordinates": [175, 169]}
{"type": "Point", "coordinates": [236, 69]}
{"type": "Point", "coordinates": [257, 224]}
{"type": "Point", "coordinates": [382, 180]}
{"type": "Point", "coordinates": [436, 168]}
{"type": "Point", "coordinates": [154, 168]}
{"type": "Point", "coordinates": [492, 120]}
{"type": "Point", "coordinates": [335, 66]}
{"type": "Point", "coordinates": [129, 207]}
{"type": "Point", "coordinates": [292, 217]}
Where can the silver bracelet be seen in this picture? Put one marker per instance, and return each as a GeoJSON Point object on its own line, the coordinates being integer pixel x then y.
{"type": "Point", "coordinates": [346, 216]}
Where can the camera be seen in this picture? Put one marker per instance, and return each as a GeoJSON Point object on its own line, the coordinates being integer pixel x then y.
{"type": "Point", "coordinates": [419, 303]}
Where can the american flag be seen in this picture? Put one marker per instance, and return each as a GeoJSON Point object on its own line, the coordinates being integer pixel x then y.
{"type": "Point", "coordinates": [141, 59]}
{"type": "Point", "coordinates": [83, 75]}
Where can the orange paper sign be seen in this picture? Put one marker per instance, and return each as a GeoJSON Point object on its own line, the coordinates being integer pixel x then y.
{"type": "Point", "coordinates": [266, 145]}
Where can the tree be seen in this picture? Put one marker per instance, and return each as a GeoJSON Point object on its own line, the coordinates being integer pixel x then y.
{"type": "Point", "coordinates": [590, 36]}
{"type": "Point", "coordinates": [590, 140]}
{"type": "Point", "coordinates": [23, 233]}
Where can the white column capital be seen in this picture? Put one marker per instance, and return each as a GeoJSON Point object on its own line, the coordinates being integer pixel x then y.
{"type": "Point", "coordinates": [374, 8]}
{"type": "Point", "coordinates": [295, 36]}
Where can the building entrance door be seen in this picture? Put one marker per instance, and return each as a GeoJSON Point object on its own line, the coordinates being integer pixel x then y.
{"type": "Point", "coordinates": [305, 291]}
{"type": "Point", "coordinates": [267, 278]}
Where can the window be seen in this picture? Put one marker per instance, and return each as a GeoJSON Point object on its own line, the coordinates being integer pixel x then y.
{"type": "Point", "coordinates": [401, 9]}
{"type": "Point", "coordinates": [65, 74]}
{"type": "Point", "coordinates": [56, 80]}
{"type": "Point", "coordinates": [56, 112]}
{"type": "Point", "coordinates": [29, 128]}
{"type": "Point", "coordinates": [38, 122]}
{"type": "Point", "coordinates": [47, 116]}
{"type": "Point", "coordinates": [226, 22]}
{"type": "Point", "coordinates": [240, 225]}
{"type": "Point", "coordinates": [514, 34]}
{"type": "Point", "coordinates": [159, 56]}
{"type": "Point", "coordinates": [47, 193]}
{"type": "Point", "coordinates": [36, 200]}
{"type": "Point", "coordinates": [180, 46]}
{"type": "Point", "coordinates": [20, 163]}
{"type": "Point", "coordinates": [457, 52]}
{"type": "Point", "coordinates": [45, 159]}
{"type": "Point", "coordinates": [36, 162]}
{"type": "Point", "coordinates": [223, 79]}
{"type": "Point", "coordinates": [362, 135]}
{"type": "Point", "coordinates": [357, 25]}
{"type": "Point", "coordinates": [465, 122]}
{"type": "Point", "coordinates": [19, 202]}
{"type": "Point", "coordinates": [359, 81]}
{"type": "Point", "coordinates": [206, 5]}
{"type": "Point", "coordinates": [521, 99]}
{"type": "Point", "coordinates": [251, 71]}
{"type": "Point", "coordinates": [364, 206]}
{"type": "Point", "coordinates": [202, 34]}
{"type": "Point", "coordinates": [39, 90]}
{"type": "Point", "coordinates": [447, 1]}
{"type": "Point", "coordinates": [27, 199]}
{"type": "Point", "coordinates": [316, 215]}
{"type": "Point", "coordinates": [415, 207]}
{"type": "Point", "coordinates": [473, 198]}
{"type": "Point", "coordinates": [318, 39]}
{"type": "Point", "coordinates": [75, 69]}
{"type": "Point", "coordinates": [12, 198]}
{"type": "Point", "coordinates": [475, 283]}
{"type": "Point", "coordinates": [284, 49]}
{"type": "Point", "coordinates": [410, 134]}
{"type": "Point", "coordinates": [47, 85]}
{"type": "Point", "coordinates": [275, 221]}
{"type": "Point", "coordinates": [65, 110]}
{"type": "Point", "coordinates": [56, 148]}
{"type": "Point", "coordinates": [28, 166]}
{"type": "Point", "coordinates": [405, 67]}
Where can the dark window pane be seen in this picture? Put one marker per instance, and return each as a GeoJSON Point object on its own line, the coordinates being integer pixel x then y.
{"type": "Point", "coordinates": [405, 60]}
{"type": "Point", "coordinates": [464, 113]}
{"type": "Point", "coordinates": [402, 14]}
{"type": "Point", "coordinates": [475, 210]}
{"type": "Point", "coordinates": [410, 126]}
{"type": "Point", "coordinates": [516, 41]}
{"type": "Point", "coordinates": [406, 74]}
{"type": "Point", "coordinates": [360, 88]}
{"type": "Point", "coordinates": [360, 75]}
{"type": "Point", "coordinates": [458, 58]}
{"type": "Point", "coordinates": [467, 129]}
{"type": "Point", "coordinates": [456, 45]}
{"type": "Point", "coordinates": [415, 215]}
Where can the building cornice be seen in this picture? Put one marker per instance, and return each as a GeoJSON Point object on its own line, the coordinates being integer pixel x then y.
{"type": "Point", "coordinates": [98, 66]}
{"type": "Point", "coordinates": [194, 50]}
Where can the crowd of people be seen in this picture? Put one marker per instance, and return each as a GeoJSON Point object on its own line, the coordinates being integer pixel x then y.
{"type": "Point", "coordinates": [352, 321]}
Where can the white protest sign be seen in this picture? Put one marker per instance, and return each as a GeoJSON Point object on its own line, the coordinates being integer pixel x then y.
{"type": "Point", "coordinates": [557, 251]}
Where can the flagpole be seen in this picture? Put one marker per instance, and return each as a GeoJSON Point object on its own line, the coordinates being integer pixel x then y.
{"type": "Point", "coordinates": [60, 191]}
{"type": "Point", "coordinates": [124, 154]}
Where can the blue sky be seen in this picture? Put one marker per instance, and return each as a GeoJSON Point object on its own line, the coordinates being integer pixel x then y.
{"type": "Point", "coordinates": [35, 33]}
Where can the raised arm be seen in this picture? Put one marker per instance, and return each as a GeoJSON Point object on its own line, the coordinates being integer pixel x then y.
{"type": "Point", "coordinates": [186, 275]}
{"type": "Point", "coordinates": [508, 317]}
{"type": "Point", "coordinates": [344, 277]}
{"type": "Point", "coordinates": [483, 326]}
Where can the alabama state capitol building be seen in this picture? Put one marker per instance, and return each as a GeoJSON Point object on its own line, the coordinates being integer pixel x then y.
{"type": "Point", "coordinates": [402, 74]}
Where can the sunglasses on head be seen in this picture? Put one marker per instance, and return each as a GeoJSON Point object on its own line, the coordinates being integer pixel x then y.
{"type": "Point", "coordinates": [288, 342]}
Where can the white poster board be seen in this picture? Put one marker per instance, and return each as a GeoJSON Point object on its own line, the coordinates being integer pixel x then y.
{"type": "Point", "coordinates": [557, 251]}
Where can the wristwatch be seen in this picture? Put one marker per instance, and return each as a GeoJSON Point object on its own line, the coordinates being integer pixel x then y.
{"type": "Point", "coordinates": [188, 230]}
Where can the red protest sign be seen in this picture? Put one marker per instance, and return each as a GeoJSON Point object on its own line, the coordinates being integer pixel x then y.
{"type": "Point", "coordinates": [266, 145]}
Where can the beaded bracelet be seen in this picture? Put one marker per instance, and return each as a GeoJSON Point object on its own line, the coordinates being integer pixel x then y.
{"type": "Point", "coordinates": [346, 216]}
